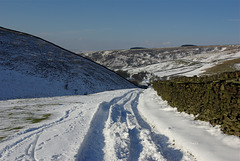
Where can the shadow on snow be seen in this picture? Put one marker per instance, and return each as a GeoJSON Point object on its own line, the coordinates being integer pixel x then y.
{"type": "Point", "coordinates": [160, 141]}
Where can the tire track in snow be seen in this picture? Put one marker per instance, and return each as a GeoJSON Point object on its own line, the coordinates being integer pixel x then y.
{"type": "Point", "coordinates": [135, 144]}
{"type": "Point", "coordinates": [159, 140]}
{"type": "Point", "coordinates": [116, 131]}
{"type": "Point", "coordinates": [124, 135]}
{"type": "Point", "coordinates": [125, 138]}
{"type": "Point", "coordinates": [94, 141]}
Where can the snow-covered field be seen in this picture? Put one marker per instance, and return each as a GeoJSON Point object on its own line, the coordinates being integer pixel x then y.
{"type": "Point", "coordinates": [187, 66]}
{"type": "Point", "coordinates": [131, 124]}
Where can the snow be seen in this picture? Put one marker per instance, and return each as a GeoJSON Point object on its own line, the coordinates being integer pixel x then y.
{"type": "Point", "coordinates": [14, 84]}
{"type": "Point", "coordinates": [126, 123]}
{"type": "Point", "coordinates": [130, 124]}
{"type": "Point", "coordinates": [58, 137]}
{"type": "Point", "coordinates": [168, 62]}
{"type": "Point", "coordinates": [30, 65]}
{"type": "Point", "coordinates": [210, 61]}
{"type": "Point", "coordinates": [194, 64]}
{"type": "Point", "coordinates": [237, 66]}
{"type": "Point", "coordinates": [196, 137]}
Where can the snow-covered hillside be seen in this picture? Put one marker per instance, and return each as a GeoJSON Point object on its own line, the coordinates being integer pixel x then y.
{"type": "Point", "coordinates": [32, 67]}
{"type": "Point", "coordinates": [166, 61]}
{"type": "Point", "coordinates": [129, 124]}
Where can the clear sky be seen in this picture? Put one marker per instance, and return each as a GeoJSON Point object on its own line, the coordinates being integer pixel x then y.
{"type": "Point", "coordinates": [89, 25]}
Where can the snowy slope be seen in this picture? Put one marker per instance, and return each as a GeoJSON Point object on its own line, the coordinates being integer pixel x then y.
{"type": "Point", "coordinates": [32, 67]}
{"type": "Point", "coordinates": [187, 66]}
{"type": "Point", "coordinates": [116, 125]}
{"type": "Point", "coordinates": [166, 61]}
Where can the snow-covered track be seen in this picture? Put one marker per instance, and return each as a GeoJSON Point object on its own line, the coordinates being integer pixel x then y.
{"type": "Point", "coordinates": [93, 143]}
{"type": "Point", "coordinates": [126, 125]}
{"type": "Point", "coordinates": [60, 136]}
{"type": "Point", "coordinates": [118, 132]}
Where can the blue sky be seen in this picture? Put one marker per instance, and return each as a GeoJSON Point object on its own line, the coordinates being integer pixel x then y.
{"type": "Point", "coordinates": [89, 25]}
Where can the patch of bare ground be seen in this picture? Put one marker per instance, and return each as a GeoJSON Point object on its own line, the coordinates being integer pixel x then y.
{"type": "Point", "coordinates": [226, 66]}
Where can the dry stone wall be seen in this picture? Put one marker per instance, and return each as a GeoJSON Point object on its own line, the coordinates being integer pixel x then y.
{"type": "Point", "coordinates": [211, 98]}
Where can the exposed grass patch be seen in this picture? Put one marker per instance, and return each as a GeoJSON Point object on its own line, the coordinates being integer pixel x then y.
{"type": "Point", "coordinates": [14, 128]}
{"type": "Point", "coordinates": [2, 137]}
{"type": "Point", "coordinates": [37, 119]}
{"type": "Point", "coordinates": [226, 66]}
{"type": "Point", "coordinates": [16, 118]}
{"type": "Point", "coordinates": [9, 129]}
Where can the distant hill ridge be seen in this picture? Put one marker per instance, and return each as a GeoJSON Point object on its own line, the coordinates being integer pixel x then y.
{"type": "Point", "coordinates": [123, 59]}
{"type": "Point", "coordinates": [33, 67]}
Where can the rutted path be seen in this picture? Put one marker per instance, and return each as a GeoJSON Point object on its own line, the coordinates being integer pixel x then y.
{"type": "Point", "coordinates": [129, 124]}
{"type": "Point", "coordinates": [118, 132]}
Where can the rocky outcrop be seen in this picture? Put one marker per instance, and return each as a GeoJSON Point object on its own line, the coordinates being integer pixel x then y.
{"type": "Point", "coordinates": [211, 98]}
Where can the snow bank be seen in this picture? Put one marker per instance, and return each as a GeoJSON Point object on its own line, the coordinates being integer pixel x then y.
{"type": "Point", "coordinates": [196, 137]}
